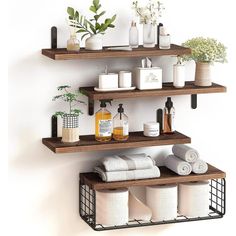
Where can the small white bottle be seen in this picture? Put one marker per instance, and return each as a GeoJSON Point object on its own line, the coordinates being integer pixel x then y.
{"type": "Point", "coordinates": [179, 74]}
{"type": "Point", "coordinates": [133, 36]}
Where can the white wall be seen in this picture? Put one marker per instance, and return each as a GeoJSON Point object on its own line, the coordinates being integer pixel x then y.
{"type": "Point", "coordinates": [43, 187]}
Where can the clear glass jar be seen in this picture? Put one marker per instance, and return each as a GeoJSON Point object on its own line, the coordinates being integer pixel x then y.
{"type": "Point", "coordinates": [149, 35]}
{"type": "Point", "coordinates": [164, 41]}
{"type": "Point", "coordinates": [73, 44]}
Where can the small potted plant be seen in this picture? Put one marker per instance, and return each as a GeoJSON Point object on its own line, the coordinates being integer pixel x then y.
{"type": "Point", "coordinates": [205, 51]}
{"type": "Point", "coordinates": [93, 27]}
{"type": "Point", "coordinates": [148, 16]}
{"type": "Point", "coordinates": [70, 129]}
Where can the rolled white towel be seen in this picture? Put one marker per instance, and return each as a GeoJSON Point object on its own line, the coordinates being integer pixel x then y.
{"type": "Point", "coordinates": [185, 152]}
{"type": "Point", "coordinates": [111, 176]}
{"type": "Point", "coordinates": [177, 165]}
{"type": "Point", "coordinates": [199, 167]}
{"type": "Point", "coordinates": [128, 162]}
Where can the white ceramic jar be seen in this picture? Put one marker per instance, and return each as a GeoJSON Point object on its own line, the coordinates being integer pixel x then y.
{"type": "Point", "coordinates": [151, 129]}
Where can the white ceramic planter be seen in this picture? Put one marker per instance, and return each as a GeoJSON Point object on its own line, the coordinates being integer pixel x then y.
{"type": "Point", "coordinates": [203, 74]}
{"type": "Point", "coordinates": [94, 42]}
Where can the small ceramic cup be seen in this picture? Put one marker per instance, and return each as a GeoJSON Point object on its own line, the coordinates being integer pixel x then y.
{"type": "Point", "coordinates": [125, 79]}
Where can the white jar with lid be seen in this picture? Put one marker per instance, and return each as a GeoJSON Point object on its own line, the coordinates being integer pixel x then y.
{"type": "Point", "coordinates": [151, 129]}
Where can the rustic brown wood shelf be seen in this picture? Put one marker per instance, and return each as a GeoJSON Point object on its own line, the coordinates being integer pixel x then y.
{"type": "Point", "coordinates": [136, 139]}
{"type": "Point", "coordinates": [63, 54]}
{"type": "Point", "coordinates": [167, 177]}
{"type": "Point", "coordinates": [167, 90]}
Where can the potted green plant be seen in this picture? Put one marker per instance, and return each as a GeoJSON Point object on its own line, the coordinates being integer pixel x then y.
{"type": "Point", "coordinates": [205, 51]}
{"type": "Point", "coordinates": [93, 27]}
{"type": "Point", "coordinates": [70, 129]}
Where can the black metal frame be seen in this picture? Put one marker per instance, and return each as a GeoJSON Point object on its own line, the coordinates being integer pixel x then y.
{"type": "Point", "coordinates": [87, 208]}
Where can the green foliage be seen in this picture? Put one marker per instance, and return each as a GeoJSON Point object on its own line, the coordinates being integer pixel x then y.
{"type": "Point", "coordinates": [71, 97]}
{"type": "Point", "coordinates": [205, 50]}
{"type": "Point", "coordinates": [92, 26]}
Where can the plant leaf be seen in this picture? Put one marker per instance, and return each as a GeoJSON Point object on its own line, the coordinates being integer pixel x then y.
{"type": "Point", "coordinates": [70, 11]}
{"type": "Point", "coordinates": [111, 26]}
{"type": "Point", "coordinates": [113, 18]}
{"type": "Point", "coordinates": [77, 111]}
{"type": "Point", "coordinates": [92, 27]}
{"type": "Point", "coordinates": [95, 3]}
{"type": "Point", "coordinates": [97, 26]}
{"type": "Point", "coordinates": [59, 113]}
{"type": "Point", "coordinates": [63, 87]}
{"type": "Point", "coordinates": [93, 9]}
{"type": "Point", "coordinates": [84, 36]}
{"type": "Point", "coordinates": [56, 97]}
{"type": "Point", "coordinates": [98, 7]}
{"type": "Point", "coordinates": [82, 31]}
{"type": "Point", "coordinates": [76, 15]}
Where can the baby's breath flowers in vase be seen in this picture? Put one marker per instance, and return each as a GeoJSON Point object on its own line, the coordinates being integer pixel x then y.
{"type": "Point", "coordinates": [205, 51]}
{"type": "Point", "coordinates": [148, 16]}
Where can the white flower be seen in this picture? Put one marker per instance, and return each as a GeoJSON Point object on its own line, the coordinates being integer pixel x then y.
{"type": "Point", "coordinates": [149, 13]}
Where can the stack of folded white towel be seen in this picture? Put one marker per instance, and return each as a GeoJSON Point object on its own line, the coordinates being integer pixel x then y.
{"type": "Point", "coordinates": [185, 160]}
{"type": "Point", "coordinates": [127, 167]}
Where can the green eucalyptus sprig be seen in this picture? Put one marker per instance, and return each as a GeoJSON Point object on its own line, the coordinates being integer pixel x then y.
{"type": "Point", "coordinates": [91, 26]}
{"type": "Point", "coordinates": [71, 98]}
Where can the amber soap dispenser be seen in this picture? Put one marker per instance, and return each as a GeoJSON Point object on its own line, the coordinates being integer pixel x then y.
{"type": "Point", "coordinates": [120, 125]}
{"type": "Point", "coordinates": [168, 117]}
{"type": "Point", "coordinates": [103, 123]}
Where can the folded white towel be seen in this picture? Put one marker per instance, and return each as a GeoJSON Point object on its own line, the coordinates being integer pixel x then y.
{"type": "Point", "coordinates": [177, 165]}
{"type": "Point", "coordinates": [127, 162]}
{"type": "Point", "coordinates": [185, 152]}
{"type": "Point", "coordinates": [199, 167]}
{"type": "Point", "coordinates": [111, 176]}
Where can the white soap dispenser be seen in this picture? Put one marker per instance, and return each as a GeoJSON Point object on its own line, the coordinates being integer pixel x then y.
{"type": "Point", "coordinates": [179, 74]}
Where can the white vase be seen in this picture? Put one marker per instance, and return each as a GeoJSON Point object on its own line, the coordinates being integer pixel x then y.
{"type": "Point", "coordinates": [149, 35]}
{"type": "Point", "coordinates": [94, 42]}
{"type": "Point", "coordinates": [203, 74]}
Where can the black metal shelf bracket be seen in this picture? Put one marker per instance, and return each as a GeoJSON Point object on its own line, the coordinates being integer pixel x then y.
{"type": "Point", "coordinates": [90, 107]}
{"type": "Point", "coordinates": [54, 126]}
{"type": "Point", "coordinates": [194, 101]}
{"type": "Point", "coordinates": [54, 37]}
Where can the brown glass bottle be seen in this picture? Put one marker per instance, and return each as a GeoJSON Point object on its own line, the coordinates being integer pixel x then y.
{"type": "Point", "coordinates": [168, 117]}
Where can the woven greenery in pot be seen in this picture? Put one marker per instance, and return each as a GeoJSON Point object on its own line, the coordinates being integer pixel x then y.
{"type": "Point", "coordinates": [70, 129]}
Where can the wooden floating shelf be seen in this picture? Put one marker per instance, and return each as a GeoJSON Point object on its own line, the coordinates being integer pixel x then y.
{"type": "Point", "coordinates": [63, 54]}
{"type": "Point", "coordinates": [167, 177]}
{"type": "Point", "coordinates": [136, 140]}
{"type": "Point", "coordinates": [167, 90]}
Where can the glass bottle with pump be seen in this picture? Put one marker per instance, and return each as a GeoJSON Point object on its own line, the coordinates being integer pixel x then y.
{"type": "Point", "coordinates": [120, 125]}
{"type": "Point", "coordinates": [103, 123]}
{"type": "Point", "coordinates": [168, 117]}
